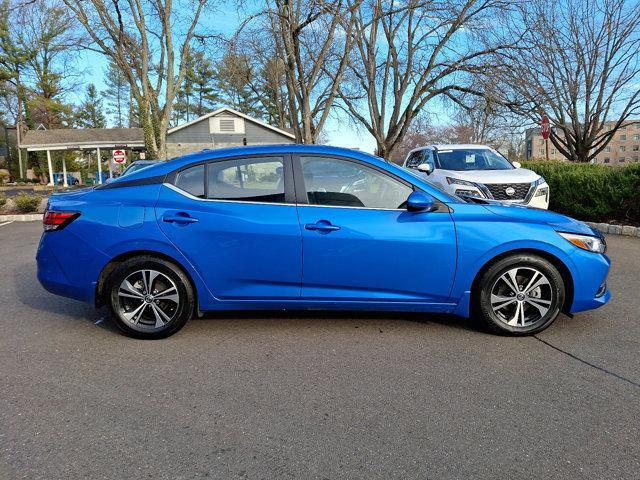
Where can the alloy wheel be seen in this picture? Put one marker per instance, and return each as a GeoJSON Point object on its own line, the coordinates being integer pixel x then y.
{"type": "Point", "coordinates": [521, 297]}
{"type": "Point", "coordinates": [148, 299]}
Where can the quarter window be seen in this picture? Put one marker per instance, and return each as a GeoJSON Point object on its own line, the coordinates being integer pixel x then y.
{"type": "Point", "coordinates": [191, 180]}
{"type": "Point", "coordinates": [247, 180]}
{"type": "Point", "coordinates": [335, 182]}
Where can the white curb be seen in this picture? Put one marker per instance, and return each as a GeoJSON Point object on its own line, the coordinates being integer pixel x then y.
{"type": "Point", "coordinates": [27, 217]}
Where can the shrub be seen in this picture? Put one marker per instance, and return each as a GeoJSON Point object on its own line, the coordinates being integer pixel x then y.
{"type": "Point", "coordinates": [592, 192]}
{"type": "Point", "coordinates": [27, 203]}
{"type": "Point", "coordinates": [3, 200]}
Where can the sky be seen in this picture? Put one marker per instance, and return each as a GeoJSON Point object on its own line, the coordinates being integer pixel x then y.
{"type": "Point", "coordinates": [225, 19]}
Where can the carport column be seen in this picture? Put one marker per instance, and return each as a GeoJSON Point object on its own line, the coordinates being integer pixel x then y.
{"type": "Point", "coordinates": [99, 167]}
{"type": "Point", "coordinates": [64, 172]}
{"type": "Point", "coordinates": [50, 167]}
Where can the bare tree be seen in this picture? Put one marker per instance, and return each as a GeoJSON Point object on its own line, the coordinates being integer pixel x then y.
{"type": "Point", "coordinates": [312, 37]}
{"type": "Point", "coordinates": [142, 37]}
{"type": "Point", "coordinates": [579, 63]}
{"type": "Point", "coordinates": [407, 53]}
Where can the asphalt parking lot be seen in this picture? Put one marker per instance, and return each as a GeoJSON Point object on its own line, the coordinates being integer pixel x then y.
{"type": "Point", "coordinates": [314, 395]}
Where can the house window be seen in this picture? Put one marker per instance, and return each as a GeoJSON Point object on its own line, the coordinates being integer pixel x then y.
{"type": "Point", "coordinates": [607, 159]}
{"type": "Point", "coordinates": [541, 152]}
{"type": "Point", "coordinates": [553, 151]}
{"type": "Point", "coordinates": [607, 149]}
{"type": "Point", "coordinates": [636, 136]}
{"type": "Point", "coordinates": [622, 148]}
{"type": "Point", "coordinates": [635, 158]}
{"type": "Point", "coordinates": [621, 159]}
{"type": "Point", "coordinates": [623, 137]}
{"type": "Point", "coordinates": [636, 148]}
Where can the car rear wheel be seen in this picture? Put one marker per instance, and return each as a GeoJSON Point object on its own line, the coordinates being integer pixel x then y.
{"type": "Point", "coordinates": [520, 295]}
{"type": "Point", "coordinates": [150, 298]}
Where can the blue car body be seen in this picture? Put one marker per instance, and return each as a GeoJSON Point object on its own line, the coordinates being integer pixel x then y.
{"type": "Point", "coordinates": [253, 255]}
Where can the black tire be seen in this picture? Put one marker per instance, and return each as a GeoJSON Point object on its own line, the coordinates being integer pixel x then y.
{"type": "Point", "coordinates": [170, 312]}
{"type": "Point", "coordinates": [539, 308]}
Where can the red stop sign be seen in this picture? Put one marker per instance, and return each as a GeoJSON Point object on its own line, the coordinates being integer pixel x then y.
{"type": "Point", "coordinates": [545, 128]}
{"type": "Point", "coordinates": [119, 156]}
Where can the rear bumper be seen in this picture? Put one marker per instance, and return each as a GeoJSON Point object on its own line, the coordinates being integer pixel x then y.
{"type": "Point", "coordinates": [67, 271]}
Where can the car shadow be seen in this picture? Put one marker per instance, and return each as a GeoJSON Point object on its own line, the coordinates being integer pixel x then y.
{"type": "Point", "coordinates": [449, 321]}
{"type": "Point", "coordinates": [30, 293]}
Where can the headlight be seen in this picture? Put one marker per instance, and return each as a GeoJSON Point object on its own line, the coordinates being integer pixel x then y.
{"type": "Point", "coordinates": [463, 192]}
{"type": "Point", "coordinates": [586, 242]}
{"type": "Point", "coordinates": [457, 181]}
{"type": "Point", "coordinates": [542, 192]}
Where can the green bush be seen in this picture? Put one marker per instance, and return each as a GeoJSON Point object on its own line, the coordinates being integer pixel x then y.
{"type": "Point", "coordinates": [27, 203]}
{"type": "Point", "coordinates": [592, 192]}
{"type": "Point", "coordinates": [3, 200]}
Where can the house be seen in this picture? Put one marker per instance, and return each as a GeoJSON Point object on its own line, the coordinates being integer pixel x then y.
{"type": "Point", "coordinates": [224, 127]}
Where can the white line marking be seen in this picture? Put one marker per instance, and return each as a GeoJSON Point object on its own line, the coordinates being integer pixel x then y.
{"type": "Point", "coordinates": [99, 321]}
{"type": "Point", "coordinates": [6, 223]}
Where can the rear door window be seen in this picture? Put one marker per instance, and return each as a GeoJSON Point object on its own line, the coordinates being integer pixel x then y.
{"type": "Point", "coordinates": [257, 179]}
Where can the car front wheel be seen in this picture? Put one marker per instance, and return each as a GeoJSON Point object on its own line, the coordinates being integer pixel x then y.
{"type": "Point", "coordinates": [520, 295]}
{"type": "Point", "coordinates": [150, 298]}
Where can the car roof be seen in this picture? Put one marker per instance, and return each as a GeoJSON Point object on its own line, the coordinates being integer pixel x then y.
{"type": "Point", "coordinates": [450, 146]}
{"type": "Point", "coordinates": [163, 167]}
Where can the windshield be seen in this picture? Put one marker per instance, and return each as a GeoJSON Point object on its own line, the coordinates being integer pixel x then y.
{"type": "Point", "coordinates": [471, 159]}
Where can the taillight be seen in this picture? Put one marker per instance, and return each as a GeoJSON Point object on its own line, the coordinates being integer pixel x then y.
{"type": "Point", "coordinates": [58, 220]}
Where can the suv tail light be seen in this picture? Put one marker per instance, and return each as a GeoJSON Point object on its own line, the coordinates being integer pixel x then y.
{"type": "Point", "coordinates": [57, 220]}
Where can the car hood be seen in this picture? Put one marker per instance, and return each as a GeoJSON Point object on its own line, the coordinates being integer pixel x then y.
{"type": "Point", "coordinates": [516, 175]}
{"type": "Point", "coordinates": [559, 222]}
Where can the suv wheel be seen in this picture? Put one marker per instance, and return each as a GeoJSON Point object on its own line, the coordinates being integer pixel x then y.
{"type": "Point", "coordinates": [520, 295]}
{"type": "Point", "coordinates": [150, 298]}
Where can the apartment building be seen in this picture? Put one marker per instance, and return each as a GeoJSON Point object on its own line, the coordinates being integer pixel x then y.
{"type": "Point", "coordinates": [624, 147]}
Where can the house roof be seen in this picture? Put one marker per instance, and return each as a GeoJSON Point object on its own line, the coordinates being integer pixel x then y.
{"type": "Point", "coordinates": [234, 112]}
{"type": "Point", "coordinates": [68, 138]}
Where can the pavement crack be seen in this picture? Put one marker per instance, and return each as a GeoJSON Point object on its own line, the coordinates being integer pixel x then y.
{"type": "Point", "coordinates": [585, 362]}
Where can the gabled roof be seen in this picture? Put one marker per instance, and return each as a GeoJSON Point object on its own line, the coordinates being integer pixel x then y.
{"type": "Point", "coordinates": [234, 112]}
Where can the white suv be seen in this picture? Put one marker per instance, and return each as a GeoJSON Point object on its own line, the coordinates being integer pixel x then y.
{"type": "Point", "coordinates": [479, 171]}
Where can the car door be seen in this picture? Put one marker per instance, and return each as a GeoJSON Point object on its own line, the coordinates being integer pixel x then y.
{"type": "Point", "coordinates": [361, 244]}
{"type": "Point", "coordinates": [235, 220]}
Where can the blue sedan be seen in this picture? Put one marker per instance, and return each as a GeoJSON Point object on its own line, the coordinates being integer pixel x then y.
{"type": "Point", "coordinates": [311, 227]}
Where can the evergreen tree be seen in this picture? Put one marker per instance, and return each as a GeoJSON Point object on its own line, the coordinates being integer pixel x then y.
{"type": "Point", "coordinates": [199, 93]}
{"type": "Point", "coordinates": [117, 96]}
{"type": "Point", "coordinates": [91, 114]}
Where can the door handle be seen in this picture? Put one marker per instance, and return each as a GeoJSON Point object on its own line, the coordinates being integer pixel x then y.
{"type": "Point", "coordinates": [184, 218]}
{"type": "Point", "coordinates": [322, 225]}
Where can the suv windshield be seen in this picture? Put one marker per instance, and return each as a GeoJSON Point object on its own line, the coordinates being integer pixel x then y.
{"type": "Point", "coordinates": [471, 159]}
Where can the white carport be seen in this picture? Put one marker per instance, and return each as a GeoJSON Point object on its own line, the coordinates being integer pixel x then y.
{"type": "Point", "coordinates": [81, 139]}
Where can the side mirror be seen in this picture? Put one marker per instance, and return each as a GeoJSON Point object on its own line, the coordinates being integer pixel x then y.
{"type": "Point", "coordinates": [420, 202]}
{"type": "Point", "coordinates": [516, 164]}
{"type": "Point", "coordinates": [425, 168]}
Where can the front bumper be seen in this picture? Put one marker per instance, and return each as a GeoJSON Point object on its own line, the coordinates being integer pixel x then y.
{"type": "Point", "coordinates": [589, 278]}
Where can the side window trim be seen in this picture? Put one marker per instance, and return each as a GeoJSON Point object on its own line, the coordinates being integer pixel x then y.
{"type": "Point", "coordinates": [301, 190]}
{"type": "Point", "coordinates": [289, 184]}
